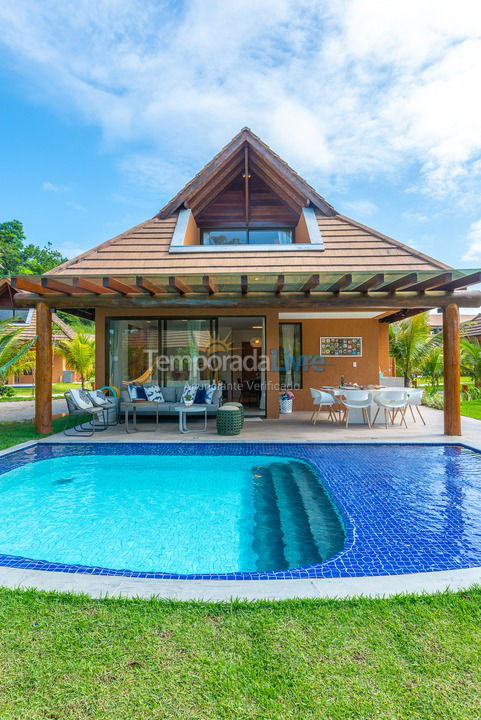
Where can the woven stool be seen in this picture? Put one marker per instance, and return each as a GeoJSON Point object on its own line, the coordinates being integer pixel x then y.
{"type": "Point", "coordinates": [229, 420]}
{"type": "Point", "coordinates": [237, 405]}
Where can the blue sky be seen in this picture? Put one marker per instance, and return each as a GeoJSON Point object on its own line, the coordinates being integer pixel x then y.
{"type": "Point", "coordinates": [108, 106]}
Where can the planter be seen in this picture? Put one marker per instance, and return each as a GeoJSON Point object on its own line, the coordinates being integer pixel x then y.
{"type": "Point", "coordinates": [188, 403]}
{"type": "Point", "coordinates": [285, 406]}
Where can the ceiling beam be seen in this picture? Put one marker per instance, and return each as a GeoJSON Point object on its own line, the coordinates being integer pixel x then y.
{"type": "Point", "coordinates": [279, 285]}
{"type": "Point", "coordinates": [310, 284]}
{"type": "Point", "coordinates": [430, 284]}
{"type": "Point", "coordinates": [291, 199]}
{"type": "Point", "coordinates": [461, 282]}
{"type": "Point", "coordinates": [210, 284]}
{"type": "Point", "coordinates": [178, 285]}
{"type": "Point", "coordinates": [148, 287]}
{"type": "Point", "coordinates": [402, 315]}
{"type": "Point", "coordinates": [369, 284]}
{"type": "Point", "coordinates": [21, 283]}
{"type": "Point", "coordinates": [92, 287]}
{"type": "Point", "coordinates": [340, 283]}
{"type": "Point", "coordinates": [57, 286]}
{"type": "Point", "coordinates": [120, 287]}
{"type": "Point", "coordinates": [318, 300]}
{"type": "Point", "coordinates": [399, 284]}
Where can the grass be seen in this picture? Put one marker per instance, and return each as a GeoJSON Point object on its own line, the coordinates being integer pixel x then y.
{"type": "Point", "coordinates": [471, 408]}
{"type": "Point", "coordinates": [14, 433]}
{"type": "Point", "coordinates": [23, 393]}
{"type": "Point", "coordinates": [405, 658]}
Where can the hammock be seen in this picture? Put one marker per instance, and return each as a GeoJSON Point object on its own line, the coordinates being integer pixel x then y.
{"type": "Point", "coordinates": [141, 379]}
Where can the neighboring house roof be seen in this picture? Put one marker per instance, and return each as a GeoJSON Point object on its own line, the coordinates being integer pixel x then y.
{"type": "Point", "coordinates": [28, 318]}
{"type": "Point", "coordinates": [472, 328]}
{"type": "Point", "coordinates": [435, 320]}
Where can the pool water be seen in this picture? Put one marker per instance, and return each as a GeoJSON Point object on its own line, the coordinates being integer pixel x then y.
{"type": "Point", "coordinates": [169, 513]}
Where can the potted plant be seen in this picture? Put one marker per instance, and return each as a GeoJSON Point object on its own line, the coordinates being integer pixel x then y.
{"type": "Point", "coordinates": [285, 401]}
{"type": "Point", "coordinates": [188, 399]}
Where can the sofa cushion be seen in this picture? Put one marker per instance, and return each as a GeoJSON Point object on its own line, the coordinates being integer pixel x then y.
{"type": "Point", "coordinates": [209, 393]}
{"type": "Point", "coordinates": [189, 390]}
{"type": "Point", "coordinates": [154, 394]}
{"type": "Point", "coordinates": [132, 392]}
{"type": "Point", "coordinates": [169, 393]}
{"type": "Point", "coordinates": [217, 395]}
{"type": "Point", "coordinates": [141, 394]}
{"type": "Point", "coordinates": [200, 396]}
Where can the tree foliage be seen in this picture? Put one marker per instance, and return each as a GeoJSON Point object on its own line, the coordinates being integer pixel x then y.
{"type": "Point", "coordinates": [79, 353]}
{"type": "Point", "coordinates": [18, 258]}
{"type": "Point", "coordinates": [471, 360]}
{"type": "Point", "coordinates": [409, 344]}
{"type": "Point", "coordinates": [16, 357]}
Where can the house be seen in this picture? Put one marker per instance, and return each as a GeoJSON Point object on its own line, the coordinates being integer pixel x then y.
{"type": "Point", "coordinates": [471, 328]}
{"type": "Point", "coordinates": [26, 322]}
{"type": "Point", "coordinates": [249, 263]}
{"type": "Point", "coordinates": [435, 321]}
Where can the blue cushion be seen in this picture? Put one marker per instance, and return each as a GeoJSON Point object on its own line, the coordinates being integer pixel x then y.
{"type": "Point", "coordinates": [209, 392]}
{"type": "Point", "coordinates": [188, 390]}
{"type": "Point", "coordinates": [200, 396]}
{"type": "Point", "coordinates": [141, 394]}
{"type": "Point", "coordinates": [132, 392]}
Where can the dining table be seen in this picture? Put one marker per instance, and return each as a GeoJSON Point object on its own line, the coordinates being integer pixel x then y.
{"type": "Point", "coordinates": [356, 416]}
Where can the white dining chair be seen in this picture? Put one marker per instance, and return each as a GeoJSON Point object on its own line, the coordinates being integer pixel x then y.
{"type": "Point", "coordinates": [414, 400]}
{"type": "Point", "coordinates": [322, 400]}
{"type": "Point", "coordinates": [357, 400]}
{"type": "Point", "coordinates": [391, 403]}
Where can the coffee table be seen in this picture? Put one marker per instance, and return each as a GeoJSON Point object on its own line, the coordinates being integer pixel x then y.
{"type": "Point", "coordinates": [184, 410]}
{"type": "Point", "coordinates": [133, 405]}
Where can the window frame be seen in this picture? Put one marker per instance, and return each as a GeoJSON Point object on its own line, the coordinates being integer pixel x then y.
{"type": "Point", "coordinates": [247, 230]}
{"type": "Point", "coordinates": [301, 366]}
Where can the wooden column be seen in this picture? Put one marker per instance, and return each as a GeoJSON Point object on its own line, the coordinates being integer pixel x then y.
{"type": "Point", "coordinates": [43, 370]}
{"type": "Point", "coordinates": [452, 371]}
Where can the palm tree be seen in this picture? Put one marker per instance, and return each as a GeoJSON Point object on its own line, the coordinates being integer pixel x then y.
{"type": "Point", "coordinates": [432, 367]}
{"type": "Point", "coordinates": [471, 360]}
{"type": "Point", "coordinates": [16, 357]}
{"type": "Point", "coordinates": [409, 342]}
{"type": "Point", "coordinates": [79, 353]}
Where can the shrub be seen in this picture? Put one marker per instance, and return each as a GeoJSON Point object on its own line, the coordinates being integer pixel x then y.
{"type": "Point", "coordinates": [6, 391]}
{"type": "Point", "coordinates": [434, 400]}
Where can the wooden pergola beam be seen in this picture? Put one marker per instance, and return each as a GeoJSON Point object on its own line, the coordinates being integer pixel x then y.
{"type": "Point", "coordinates": [399, 284]}
{"type": "Point", "coordinates": [461, 282]}
{"type": "Point", "coordinates": [431, 283]}
{"type": "Point", "coordinates": [57, 286]}
{"type": "Point", "coordinates": [402, 315]}
{"type": "Point", "coordinates": [210, 284]}
{"type": "Point", "coordinates": [148, 286]}
{"type": "Point", "coordinates": [279, 285]}
{"type": "Point", "coordinates": [179, 285]}
{"type": "Point", "coordinates": [310, 284]}
{"type": "Point", "coordinates": [340, 284]}
{"type": "Point", "coordinates": [92, 287]}
{"type": "Point", "coordinates": [369, 284]}
{"type": "Point", "coordinates": [21, 283]}
{"type": "Point", "coordinates": [119, 287]}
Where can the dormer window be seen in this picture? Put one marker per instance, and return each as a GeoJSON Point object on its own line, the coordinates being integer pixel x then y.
{"type": "Point", "coordinates": [247, 236]}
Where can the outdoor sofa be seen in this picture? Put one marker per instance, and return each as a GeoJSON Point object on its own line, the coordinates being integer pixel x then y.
{"type": "Point", "coordinates": [172, 397]}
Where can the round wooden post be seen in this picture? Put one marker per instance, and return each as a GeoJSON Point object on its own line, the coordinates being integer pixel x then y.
{"type": "Point", "coordinates": [452, 371]}
{"type": "Point", "coordinates": [43, 371]}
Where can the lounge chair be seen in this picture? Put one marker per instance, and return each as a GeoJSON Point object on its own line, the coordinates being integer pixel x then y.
{"type": "Point", "coordinates": [81, 406]}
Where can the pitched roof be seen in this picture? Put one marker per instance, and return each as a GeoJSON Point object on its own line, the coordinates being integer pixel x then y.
{"type": "Point", "coordinates": [472, 328]}
{"type": "Point", "coordinates": [348, 245]}
{"type": "Point", "coordinates": [262, 154]}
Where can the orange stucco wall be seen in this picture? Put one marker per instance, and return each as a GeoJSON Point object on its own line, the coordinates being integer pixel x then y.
{"type": "Point", "coordinates": [374, 335]}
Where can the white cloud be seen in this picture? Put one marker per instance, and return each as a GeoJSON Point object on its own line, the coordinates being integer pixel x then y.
{"type": "Point", "coordinates": [51, 187]}
{"type": "Point", "coordinates": [474, 239]}
{"type": "Point", "coordinates": [364, 208]}
{"type": "Point", "coordinates": [340, 88]}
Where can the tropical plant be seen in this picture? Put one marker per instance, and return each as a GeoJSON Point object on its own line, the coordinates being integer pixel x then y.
{"type": "Point", "coordinates": [79, 353]}
{"type": "Point", "coordinates": [432, 367]}
{"type": "Point", "coordinates": [16, 356]}
{"type": "Point", "coordinates": [471, 360]}
{"type": "Point", "coordinates": [409, 343]}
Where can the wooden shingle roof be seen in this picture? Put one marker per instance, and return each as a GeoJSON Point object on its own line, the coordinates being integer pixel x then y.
{"type": "Point", "coordinates": [348, 245]}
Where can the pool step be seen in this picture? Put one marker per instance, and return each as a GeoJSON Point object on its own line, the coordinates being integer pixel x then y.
{"type": "Point", "coordinates": [300, 546]}
{"type": "Point", "coordinates": [268, 538]}
{"type": "Point", "coordinates": [322, 518]}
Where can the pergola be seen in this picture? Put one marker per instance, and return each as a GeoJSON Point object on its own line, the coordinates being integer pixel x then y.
{"type": "Point", "coordinates": [396, 295]}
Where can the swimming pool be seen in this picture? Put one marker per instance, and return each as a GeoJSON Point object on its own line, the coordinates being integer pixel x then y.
{"type": "Point", "coordinates": [241, 511]}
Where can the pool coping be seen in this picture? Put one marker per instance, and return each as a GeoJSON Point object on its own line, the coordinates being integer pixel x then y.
{"type": "Point", "coordinates": [220, 590]}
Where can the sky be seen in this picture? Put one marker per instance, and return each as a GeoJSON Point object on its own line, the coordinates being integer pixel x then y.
{"type": "Point", "coordinates": [107, 107]}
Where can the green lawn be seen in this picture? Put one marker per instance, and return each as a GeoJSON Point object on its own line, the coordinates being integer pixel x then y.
{"type": "Point", "coordinates": [472, 409]}
{"type": "Point", "coordinates": [14, 433]}
{"type": "Point", "coordinates": [65, 656]}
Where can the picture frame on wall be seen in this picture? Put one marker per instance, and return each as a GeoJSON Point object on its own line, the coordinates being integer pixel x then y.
{"type": "Point", "coordinates": [341, 346]}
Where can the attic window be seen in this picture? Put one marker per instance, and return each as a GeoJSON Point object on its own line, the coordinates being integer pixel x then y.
{"type": "Point", "coordinates": [247, 236]}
